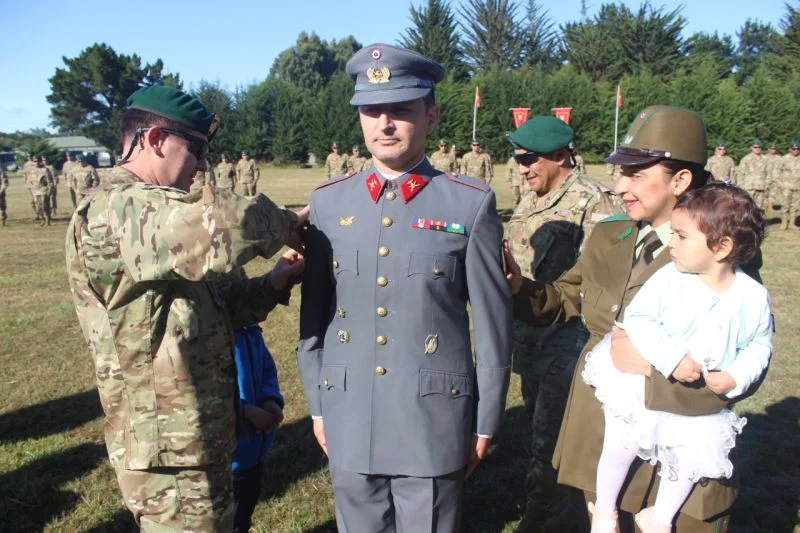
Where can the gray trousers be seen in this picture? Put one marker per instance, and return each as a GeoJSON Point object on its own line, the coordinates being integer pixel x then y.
{"type": "Point", "coordinates": [397, 504]}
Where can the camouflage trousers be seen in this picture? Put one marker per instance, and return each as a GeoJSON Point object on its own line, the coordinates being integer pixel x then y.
{"type": "Point", "coordinates": [3, 208]}
{"type": "Point", "coordinates": [249, 188]}
{"type": "Point", "coordinates": [42, 204]}
{"type": "Point", "coordinates": [790, 209]}
{"type": "Point", "coordinates": [33, 203]}
{"type": "Point", "coordinates": [54, 199]}
{"type": "Point", "coordinates": [759, 196]}
{"type": "Point", "coordinates": [73, 197]}
{"type": "Point", "coordinates": [179, 499]}
{"type": "Point", "coordinates": [545, 358]}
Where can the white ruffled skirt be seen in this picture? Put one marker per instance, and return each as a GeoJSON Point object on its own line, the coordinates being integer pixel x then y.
{"type": "Point", "coordinates": [687, 446]}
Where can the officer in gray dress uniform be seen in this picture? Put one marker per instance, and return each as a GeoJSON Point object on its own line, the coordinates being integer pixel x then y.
{"type": "Point", "coordinates": [394, 254]}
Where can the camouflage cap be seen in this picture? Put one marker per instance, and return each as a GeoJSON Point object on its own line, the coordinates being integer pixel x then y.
{"type": "Point", "coordinates": [386, 74]}
{"type": "Point", "coordinates": [176, 105]}
{"type": "Point", "coordinates": [542, 134]}
{"type": "Point", "coordinates": [663, 132]}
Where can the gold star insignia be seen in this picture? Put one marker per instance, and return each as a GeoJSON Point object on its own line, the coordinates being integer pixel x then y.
{"type": "Point", "coordinates": [412, 185]}
{"type": "Point", "coordinates": [372, 184]}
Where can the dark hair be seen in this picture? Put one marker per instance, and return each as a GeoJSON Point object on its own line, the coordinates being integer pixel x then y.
{"type": "Point", "coordinates": [700, 176]}
{"type": "Point", "coordinates": [133, 119]}
{"type": "Point", "coordinates": [722, 210]}
{"type": "Point", "coordinates": [430, 99]}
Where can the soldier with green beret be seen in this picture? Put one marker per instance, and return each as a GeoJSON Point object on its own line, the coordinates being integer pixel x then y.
{"type": "Point", "coordinates": [477, 164]}
{"type": "Point", "coordinates": [247, 174]}
{"type": "Point", "coordinates": [29, 169]}
{"type": "Point", "coordinates": [751, 174]}
{"type": "Point", "coordinates": [772, 192]}
{"type": "Point", "coordinates": [789, 184]}
{"type": "Point", "coordinates": [515, 181]}
{"type": "Point", "coordinates": [442, 159]}
{"type": "Point", "coordinates": [356, 162]}
{"type": "Point", "coordinates": [721, 165]}
{"type": "Point", "coordinates": [336, 162]}
{"type": "Point", "coordinates": [144, 259]}
{"type": "Point", "coordinates": [41, 182]}
{"type": "Point", "coordinates": [84, 178]}
{"type": "Point", "coordinates": [662, 156]}
{"type": "Point", "coordinates": [66, 170]}
{"type": "Point", "coordinates": [226, 174]}
{"type": "Point", "coordinates": [3, 188]}
{"type": "Point", "coordinates": [545, 236]}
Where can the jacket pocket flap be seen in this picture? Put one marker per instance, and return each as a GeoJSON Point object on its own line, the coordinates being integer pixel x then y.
{"type": "Point", "coordinates": [436, 266]}
{"type": "Point", "coordinates": [333, 377]}
{"type": "Point", "coordinates": [438, 382]}
{"type": "Point", "coordinates": [345, 261]}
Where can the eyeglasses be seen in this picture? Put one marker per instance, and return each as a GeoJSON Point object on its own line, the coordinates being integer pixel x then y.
{"type": "Point", "coordinates": [196, 146]}
{"type": "Point", "coordinates": [526, 159]}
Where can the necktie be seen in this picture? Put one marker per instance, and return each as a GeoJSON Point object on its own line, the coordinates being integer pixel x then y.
{"type": "Point", "coordinates": [648, 246]}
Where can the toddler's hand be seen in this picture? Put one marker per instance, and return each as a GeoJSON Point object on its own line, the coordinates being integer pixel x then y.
{"type": "Point", "coordinates": [719, 382]}
{"type": "Point", "coordinates": [687, 371]}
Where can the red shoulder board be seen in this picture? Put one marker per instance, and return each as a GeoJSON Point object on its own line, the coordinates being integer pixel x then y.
{"type": "Point", "coordinates": [411, 186]}
{"type": "Point", "coordinates": [334, 180]}
{"type": "Point", "coordinates": [456, 180]}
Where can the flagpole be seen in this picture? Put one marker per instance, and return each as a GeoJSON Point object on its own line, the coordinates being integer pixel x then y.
{"type": "Point", "coordinates": [616, 118]}
{"type": "Point", "coordinates": [474, 118]}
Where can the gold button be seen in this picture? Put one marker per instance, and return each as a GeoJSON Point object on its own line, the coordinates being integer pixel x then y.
{"type": "Point", "coordinates": [391, 195]}
{"type": "Point", "coordinates": [437, 270]}
{"type": "Point", "coordinates": [381, 311]}
{"type": "Point", "coordinates": [387, 221]}
{"type": "Point", "coordinates": [325, 382]}
{"type": "Point", "coordinates": [383, 251]}
{"type": "Point", "coordinates": [382, 282]}
{"type": "Point", "coordinates": [380, 370]}
{"type": "Point", "coordinates": [381, 340]}
{"type": "Point", "coordinates": [335, 263]}
{"type": "Point", "coordinates": [454, 392]}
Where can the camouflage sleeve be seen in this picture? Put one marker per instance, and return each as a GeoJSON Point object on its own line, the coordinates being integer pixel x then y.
{"type": "Point", "coordinates": [604, 205]}
{"type": "Point", "coordinates": [95, 178]}
{"type": "Point", "coordinates": [250, 300]}
{"type": "Point", "coordinates": [543, 304]}
{"type": "Point", "coordinates": [211, 178]}
{"type": "Point", "coordinates": [328, 167]}
{"type": "Point", "coordinates": [162, 234]}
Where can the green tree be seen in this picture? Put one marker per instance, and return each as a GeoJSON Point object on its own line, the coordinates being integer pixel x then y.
{"type": "Point", "coordinates": [90, 93]}
{"type": "Point", "coordinates": [728, 118]}
{"type": "Point", "coordinates": [41, 146]}
{"type": "Point", "coordinates": [788, 44]}
{"type": "Point", "coordinates": [221, 103]}
{"type": "Point", "coordinates": [772, 103]}
{"type": "Point", "coordinates": [758, 42]}
{"type": "Point", "coordinates": [703, 47]}
{"type": "Point", "coordinates": [311, 62]}
{"type": "Point", "coordinates": [493, 37]}
{"type": "Point", "coordinates": [434, 34]}
{"type": "Point", "coordinates": [541, 40]}
{"type": "Point", "coordinates": [332, 118]}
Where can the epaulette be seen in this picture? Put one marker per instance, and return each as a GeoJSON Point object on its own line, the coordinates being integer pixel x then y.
{"type": "Point", "coordinates": [334, 180]}
{"type": "Point", "coordinates": [476, 185]}
{"type": "Point", "coordinates": [619, 217]}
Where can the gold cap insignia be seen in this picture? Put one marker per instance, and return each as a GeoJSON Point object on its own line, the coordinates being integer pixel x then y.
{"type": "Point", "coordinates": [431, 343]}
{"type": "Point", "coordinates": [380, 75]}
{"type": "Point", "coordinates": [347, 221]}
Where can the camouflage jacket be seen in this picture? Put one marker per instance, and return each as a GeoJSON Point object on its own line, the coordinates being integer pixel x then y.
{"type": "Point", "coordinates": [790, 173]}
{"type": "Point", "coordinates": [84, 178]}
{"type": "Point", "coordinates": [247, 171]}
{"type": "Point", "coordinates": [66, 172]}
{"type": "Point", "coordinates": [29, 168]}
{"type": "Point", "coordinates": [203, 178]}
{"type": "Point", "coordinates": [721, 166]}
{"type": "Point", "coordinates": [443, 162]}
{"type": "Point", "coordinates": [3, 182]}
{"type": "Point", "coordinates": [546, 238]}
{"type": "Point", "coordinates": [335, 165]}
{"type": "Point", "coordinates": [773, 168]}
{"type": "Point", "coordinates": [512, 173]}
{"type": "Point", "coordinates": [356, 164]}
{"type": "Point", "coordinates": [477, 166]}
{"type": "Point", "coordinates": [143, 262]}
{"type": "Point", "coordinates": [40, 181]}
{"type": "Point", "coordinates": [226, 176]}
{"type": "Point", "coordinates": [752, 172]}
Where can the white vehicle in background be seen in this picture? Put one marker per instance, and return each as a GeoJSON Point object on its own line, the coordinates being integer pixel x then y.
{"type": "Point", "coordinates": [8, 161]}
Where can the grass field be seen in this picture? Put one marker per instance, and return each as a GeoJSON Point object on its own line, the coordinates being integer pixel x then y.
{"type": "Point", "coordinates": [54, 474]}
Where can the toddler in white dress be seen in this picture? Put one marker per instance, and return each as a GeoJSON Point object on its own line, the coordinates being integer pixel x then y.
{"type": "Point", "coordinates": [699, 315]}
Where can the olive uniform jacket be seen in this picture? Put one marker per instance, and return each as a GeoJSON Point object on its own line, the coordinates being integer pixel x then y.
{"type": "Point", "coordinates": [598, 289]}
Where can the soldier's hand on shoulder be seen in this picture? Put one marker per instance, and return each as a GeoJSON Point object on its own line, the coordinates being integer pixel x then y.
{"type": "Point", "coordinates": [288, 269]}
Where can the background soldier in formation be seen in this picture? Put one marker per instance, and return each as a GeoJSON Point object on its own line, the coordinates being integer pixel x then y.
{"type": "Point", "coordinates": [477, 164]}
{"type": "Point", "coordinates": [772, 195]}
{"type": "Point", "coordinates": [336, 162]}
{"type": "Point", "coordinates": [515, 180]}
{"type": "Point", "coordinates": [66, 171]}
{"type": "Point", "coordinates": [3, 187]}
{"type": "Point", "coordinates": [751, 175]}
{"type": "Point", "coordinates": [790, 185]}
{"type": "Point", "coordinates": [52, 197]}
{"type": "Point", "coordinates": [247, 174]}
{"type": "Point", "coordinates": [443, 160]}
{"type": "Point", "coordinates": [356, 162]}
{"type": "Point", "coordinates": [580, 164]}
{"type": "Point", "coordinates": [41, 184]}
{"type": "Point", "coordinates": [545, 236]}
{"type": "Point", "coordinates": [226, 175]}
{"type": "Point", "coordinates": [85, 177]}
{"type": "Point", "coordinates": [29, 171]}
{"type": "Point", "coordinates": [202, 178]}
{"type": "Point", "coordinates": [721, 165]}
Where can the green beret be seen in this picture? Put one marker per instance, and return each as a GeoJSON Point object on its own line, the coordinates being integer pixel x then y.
{"type": "Point", "coordinates": [335, 144]}
{"type": "Point", "coordinates": [173, 104]}
{"type": "Point", "coordinates": [542, 134]}
{"type": "Point", "coordinates": [244, 152]}
{"type": "Point", "coordinates": [356, 147]}
{"type": "Point", "coordinates": [720, 144]}
{"type": "Point", "coordinates": [476, 141]}
{"type": "Point", "coordinates": [795, 144]}
{"type": "Point", "coordinates": [757, 142]}
{"type": "Point", "coordinates": [81, 157]}
{"type": "Point", "coordinates": [442, 141]}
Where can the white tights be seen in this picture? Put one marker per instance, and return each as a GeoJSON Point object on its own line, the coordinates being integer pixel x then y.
{"type": "Point", "coordinates": [612, 469]}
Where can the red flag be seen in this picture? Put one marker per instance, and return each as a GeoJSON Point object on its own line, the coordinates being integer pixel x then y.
{"type": "Point", "coordinates": [477, 98]}
{"type": "Point", "coordinates": [563, 113]}
{"type": "Point", "coordinates": [520, 115]}
{"type": "Point", "coordinates": [619, 96]}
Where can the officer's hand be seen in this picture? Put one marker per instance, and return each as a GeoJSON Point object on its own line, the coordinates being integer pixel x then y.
{"type": "Point", "coordinates": [480, 449]}
{"type": "Point", "coordinates": [513, 272]}
{"type": "Point", "coordinates": [319, 433]}
{"type": "Point", "coordinates": [302, 215]}
{"type": "Point", "coordinates": [263, 420]}
{"type": "Point", "coordinates": [290, 265]}
{"type": "Point", "coordinates": [272, 407]}
{"type": "Point", "coordinates": [625, 355]}
{"type": "Point", "coordinates": [719, 382]}
{"type": "Point", "coordinates": [688, 370]}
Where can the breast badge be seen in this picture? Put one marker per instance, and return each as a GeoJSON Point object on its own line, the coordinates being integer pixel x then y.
{"type": "Point", "coordinates": [431, 344]}
{"type": "Point", "coordinates": [343, 335]}
{"type": "Point", "coordinates": [347, 221]}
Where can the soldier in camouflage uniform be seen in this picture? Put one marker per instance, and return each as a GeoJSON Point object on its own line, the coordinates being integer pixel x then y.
{"type": "Point", "coordinates": [772, 194]}
{"type": "Point", "coordinates": [580, 164]}
{"type": "Point", "coordinates": [29, 169]}
{"type": "Point", "coordinates": [143, 260]}
{"type": "Point", "coordinates": [751, 174]}
{"type": "Point", "coordinates": [442, 160]}
{"type": "Point", "coordinates": [720, 164]}
{"type": "Point", "coordinates": [545, 236]}
{"type": "Point", "coordinates": [356, 162]}
{"type": "Point", "coordinates": [202, 178]}
{"type": "Point", "coordinates": [41, 183]}
{"type": "Point", "coordinates": [226, 175]}
{"type": "Point", "coordinates": [514, 179]}
{"type": "Point", "coordinates": [3, 187]}
{"type": "Point", "coordinates": [52, 198]}
{"type": "Point", "coordinates": [247, 174]}
{"type": "Point", "coordinates": [336, 162]}
{"type": "Point", "coordinates": [66, 172]}
{"type": "Point", "coordinates": [84, 178]}
{"type": "Point", "coordinates": [613, 172]}
{"type": "Point", "coordinates": [477, 164]}
{"type": "Point", "coordinates": [790, 185]}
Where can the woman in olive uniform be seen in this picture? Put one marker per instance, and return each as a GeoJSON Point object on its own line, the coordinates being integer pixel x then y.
{"type": "Point", "coordinates": [662, 156]}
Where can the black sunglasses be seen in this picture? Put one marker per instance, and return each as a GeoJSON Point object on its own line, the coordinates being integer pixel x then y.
{"type": "Point", "coordinates": [196, 146]}
{"type": "Point", "coordinates": [526, 159]}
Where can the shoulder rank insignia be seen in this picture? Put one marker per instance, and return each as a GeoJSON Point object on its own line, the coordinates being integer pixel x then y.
{"type": "Point", "coordinates": [347, 221]}
{"type": "Point", "coordinates": [438, 225]}
{"type": "Point", "coordinates": [378, 75]}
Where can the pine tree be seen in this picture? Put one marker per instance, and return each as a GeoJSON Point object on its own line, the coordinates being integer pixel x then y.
{"type": "Point", "coordinates": [493, 37]}
{"type": "Point", "coordinates": [434, 34]}
{"type": "Point", "coordinates": [541, 41]}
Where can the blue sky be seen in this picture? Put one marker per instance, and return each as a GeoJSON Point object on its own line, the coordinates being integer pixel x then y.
{"type": "Point", "coordinates": [235, 43]}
